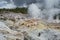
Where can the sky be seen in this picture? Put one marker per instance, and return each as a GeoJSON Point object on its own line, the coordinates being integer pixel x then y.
{"type": "Point", "coordinates": [15, 3]}
{"type": "Point", "coordinates": [24, 3]}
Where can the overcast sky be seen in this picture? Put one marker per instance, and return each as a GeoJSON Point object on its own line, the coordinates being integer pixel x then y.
{"type": "Point", "coordinates": [14, 3]}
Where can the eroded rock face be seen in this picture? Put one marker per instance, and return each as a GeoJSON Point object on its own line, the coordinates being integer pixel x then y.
{"type": "Point", "coordinates": [2, 37]}
{"type": "Point", "coordinates": [8, 34]}
{"type": "Point", "coordinates": [26, 29]}
{"type": "Point", "coordinates": [46, 34]}
{"type": "Point", "coordinates": [33, 24]}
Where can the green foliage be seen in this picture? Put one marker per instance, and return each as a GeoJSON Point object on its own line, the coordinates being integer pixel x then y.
{"type": "Point", "coordinates": [16, 10]}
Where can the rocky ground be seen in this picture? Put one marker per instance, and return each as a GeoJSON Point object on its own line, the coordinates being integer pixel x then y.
{"type": "Point", "coordinates": [15, 26]}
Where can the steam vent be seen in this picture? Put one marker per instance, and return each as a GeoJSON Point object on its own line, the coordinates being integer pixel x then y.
{"type": "Point", "coordinates": [29, 19]}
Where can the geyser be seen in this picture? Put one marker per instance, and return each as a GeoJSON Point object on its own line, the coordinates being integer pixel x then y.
{"type": "Point", "coordinates": [51, 7]}
{"type": "Point", "coordinates": [34, 11]}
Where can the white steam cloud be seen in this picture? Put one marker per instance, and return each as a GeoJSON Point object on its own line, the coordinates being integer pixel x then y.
{"type": "Point", "coordinates": [48, 12]}
{"type": "Point", "coordinates": [34, 11]}
{"type": "Point", "coordinates": [51, 3]}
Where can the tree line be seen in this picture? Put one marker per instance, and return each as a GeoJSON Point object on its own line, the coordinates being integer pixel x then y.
{"type": "Point", "coordinates": [16, 10]}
